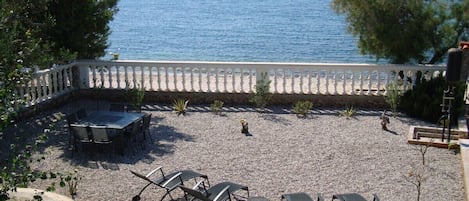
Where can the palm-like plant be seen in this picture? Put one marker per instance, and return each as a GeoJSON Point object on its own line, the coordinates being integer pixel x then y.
{"type": "Point", "coordinates": [180, 106]}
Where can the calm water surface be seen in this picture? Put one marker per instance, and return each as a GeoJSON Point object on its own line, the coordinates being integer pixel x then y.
{"type": "Point", "coordinates": [232, 30]}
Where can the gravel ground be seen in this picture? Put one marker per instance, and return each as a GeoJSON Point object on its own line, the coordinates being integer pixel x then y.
{"type": "Point", "coordinates": [323, 153]}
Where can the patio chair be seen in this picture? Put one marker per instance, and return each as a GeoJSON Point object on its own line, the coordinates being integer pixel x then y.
{"type": "Point", "coordinates": [132, 132]}
{"type": "Point", "coordinates": [146, 126]}
{"type": "Point", "coordinates": [80, 135]}
{"type": "Point", "coordinates": [71, 119]}
{"type": "Point", "coordinates": [219, 192]}
{"type": "Point", "coordinates": [170, 181]}
{"type": "Point", "coordinates": [352, 197]}
{"type": "Point", "coordinates": [105, 136]}
{"type": "Point", "coordinates": [300, 197]}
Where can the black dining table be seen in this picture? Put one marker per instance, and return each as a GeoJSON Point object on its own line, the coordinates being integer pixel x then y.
{"type": "Point", "coordinates": [110, 119]}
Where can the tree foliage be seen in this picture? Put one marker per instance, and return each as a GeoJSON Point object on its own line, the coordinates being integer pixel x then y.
{"type": "Point", "coordinates": [417, 31]}
{"type": "Point", "coordinates": [32, 35]}
{"type": "Point", "coordinates": [82, 26]}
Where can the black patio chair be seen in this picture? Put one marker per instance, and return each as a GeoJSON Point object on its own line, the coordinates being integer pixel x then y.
{"type": "Point", "coordinates": [352, 197]}
{"type": "Point", "coordinates": [219, 192]}
{"type": "Point", "coordinates": [103, 136]}
{"type": "Point", "coordinates": [80, 135]}
{"type": "Point", "coordinates": [300, 197]}
{"type": "Point", "coordinates": [146, 126]}
{"type": "Point", "coordinates": [170, 181]}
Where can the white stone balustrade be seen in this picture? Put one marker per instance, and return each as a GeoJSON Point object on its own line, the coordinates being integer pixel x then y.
{"type": "Point", "coordinates": [240, 77]}
{"type": "Point", "coordinates": [224, 77]}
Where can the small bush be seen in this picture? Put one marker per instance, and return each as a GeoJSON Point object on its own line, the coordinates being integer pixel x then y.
{"type": "Point", "coordinates": [217, 106]}
{"type": "Point", "coordinates": [180, 106]}
{"type": "Point", "coordinates": [302, 108]}
{"type": "Point", "coordinates": [348, 112]}
{"type": "Point", "coordinates": [393, 95]}
{"type": "Point", "coordinates": [424, 100]}
{"type": "Point", "coordinates": [262, 96]}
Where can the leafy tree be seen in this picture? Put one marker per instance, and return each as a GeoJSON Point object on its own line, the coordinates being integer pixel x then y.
{"type": "Point", "coordinates": [27, 40]}
{"type": "Point", "coordinates": [419, 31]}
{"type": "Point", "coordinates": [82, 26]}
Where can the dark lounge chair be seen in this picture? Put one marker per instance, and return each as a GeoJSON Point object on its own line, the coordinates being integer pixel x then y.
{"type": "Point", "coordinates": [300, 197]}
{"type": "Point", "coordinates": [352, 197]}
{"type": "Point", "coordinates": [169, 182]}
{"type": "Point", "coordinates": [219, 192]}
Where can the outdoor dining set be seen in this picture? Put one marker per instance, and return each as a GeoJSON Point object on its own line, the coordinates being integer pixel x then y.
{"type": "Point", "coordinates": [202, 190]}
{"type": "Point", "coordinates": [113, 128]}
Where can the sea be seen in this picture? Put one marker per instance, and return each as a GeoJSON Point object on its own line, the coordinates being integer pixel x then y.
{"type": "Point", "coordinates": [232, 30]}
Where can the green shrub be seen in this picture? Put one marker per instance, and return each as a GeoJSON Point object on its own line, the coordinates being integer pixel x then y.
{"type": "Point", "coordinates": [425, 99]}
{"type": "Point", "coordinates": [180, 106]}
{"type": "Point", "coordinates": [302, 108]}
{"type": "Point", "coordinates": [348, 112]}
{"type": "Point", "coordinates": [262, 96]}
{"type": "Point", "coordinates": [393, 95]}
{"type": "Point", "coordinates": [217, 106]}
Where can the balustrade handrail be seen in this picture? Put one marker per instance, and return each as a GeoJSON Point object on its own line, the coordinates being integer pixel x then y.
{"type": "Point", "coordinates": [224, 77]}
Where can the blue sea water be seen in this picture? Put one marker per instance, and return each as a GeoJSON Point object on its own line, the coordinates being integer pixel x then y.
{"type": "Point", "coordinates": [232, 30]}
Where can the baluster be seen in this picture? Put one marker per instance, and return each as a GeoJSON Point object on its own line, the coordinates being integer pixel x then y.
{"type": "Point", "coordinates": [209, 71]}
{"type": "Point", "coordinates": [150, 77]}
{"type": "Point", "coordinates": [233, 80]}
{"type": "Point", "coordinates": [326, 76]}
{"type": "Point", "coordinates": [344, 82]}
{"type": "Point", "coordinates": [166, 78]}
{"type": "Point", "coordinates": [379, 83]}
{"type": "Point", "coordinates": [200, 79]}
{"type": "Point", "coordinates": [318, 78]}
{"type": "Point", "coordinates": [217, 70]}
{"type": "Point", "coordinates": [34, 89]}
{"type": "Point", "coordinates": [361, 82]}
{"type": "Point", "coordinates": [158, 74]}
{"type": "Point", "coordinates": [275, 80]}
{"type": "Point", "coordinates": [134, 76]}
{"type": "Point", "coordinates": [284, 81]}
{"type": "Point", "coordinates": [118, 76]}
{"type": "Point", "coordinates": [66, 79]}
{"type": "Point", "coordinates": [175, 71]}
{"type": "Point", "coordinates": [54, 81]}
{"type": "Point", "coordinates": [101, 75]}
{"type": "Point", "coordinates": [126, 77]}
{"type": "Point", "coordinates": [61, 79]}
{"type": "Point", "coordinates": [50, 85]}
{"type": "Point", "coordinates": [241, 79]}
{"type": "Point", "coordinates": [109, 74]}
{"type": "Point", "coordinates": [251, 73]}
{"type": "Point", "coordinates": [225, 74]}
{"type": "Point", "coordinates": [369, 81]}
{"type": "Point", "coordinates": [183, 78]}
{"type": "Point", "coordinates": [310, 91]}
{"type": "Point", "coordinates": [293, 77]}
{"type": "Point", "coordinates": [44, 85]}
{"type": "Point", "coordinates": [335, 76]}
{"type": "Point", "coordinates": [142, 80]}
{"type": "Point", "coordinates": [352, 84]}
{"type": "Point", "coordinates": [192, 79]}
{"type": "Point", "coordinates": [301, 81]}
